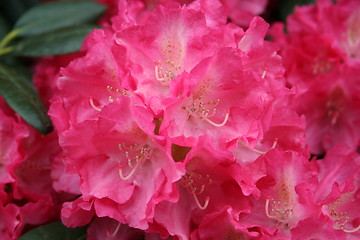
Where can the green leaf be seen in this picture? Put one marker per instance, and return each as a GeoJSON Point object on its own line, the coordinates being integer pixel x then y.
{"type": "Point", "coordinates": [30, 3]}
{"type": "Point", "coordinates": [62, 41]}
{"type": "Point", "coordinates": [12, 10]}
{"type": "Point", "coordinates": [22, 97]}
{"type": "Point", "coordinates": [55, 231]}
{"type": "Point", "coordinates": [54, 15]}
{"type": "Point", "coordinates": [4, 26]}
{"type": "Point", "coordinates": [287, 6]}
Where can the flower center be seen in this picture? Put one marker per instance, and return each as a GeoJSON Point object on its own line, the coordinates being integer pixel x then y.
{"type": "Point", "coordinates": [281, 207]}
{"type": "Point", "coordinates": [341, 217]}
{"type": "Point", "coordinates": [335, 104]}
{"type": "Point", "coordinates": [170, 65]}
{"type": "Point", "coordinates": [353, 34]}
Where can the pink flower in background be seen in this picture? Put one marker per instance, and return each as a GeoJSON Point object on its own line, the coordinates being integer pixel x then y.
{"type": "Point", "coordinates": [9, 218]}
{"type": "Point", "coordinates": [242, 11]}
{"type": "Point", "coordinates": [337, 192]}
{"type": "Point", "coordinates": [12, 140]}
{"type": "Point", "coordinates": [322, 69]}
{"type": "Point", "coordinates": [331, 107]}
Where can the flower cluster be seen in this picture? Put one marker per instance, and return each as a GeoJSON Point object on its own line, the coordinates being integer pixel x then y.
{"type": "Point", "coordinates": [175, 123]}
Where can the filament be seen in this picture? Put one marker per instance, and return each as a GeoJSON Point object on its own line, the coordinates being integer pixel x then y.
{"type": "Point", "coordinates": [219, 124]}
{"type": "Point", "coordinates": [352, 230]}
{"type": "Point", "coordinates": [93, 105]}
{"type": "Point", "coordinates": [202, 207]}
{"type": "Point", "coordinates": [259, 151]}
{"type": "Point", "coordinates": [346, 230]}
{"type": "Point", "coordinates": [115, 232]}
{"type": "Point", "coordinates": [157, 75]}
{"type": "Point", "coordinates": [267, 210]}
{"type": "Point", "coordinates": [131, 172]}
{"type": "Point", "coordinates": [264, 73]}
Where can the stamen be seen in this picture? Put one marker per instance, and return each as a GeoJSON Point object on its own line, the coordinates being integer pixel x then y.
{"type": "Point", "coordinates": [202, 207]}
{"type": "Point", "coordinates": [115, 232]}
{"type": "Point", "coordinates": [219, 124]}
{"type": "Point", "coordinates": [274, 143]}
{"type": "Point", "coordinates": [267, 210]}
{"type": "Point", "coordinates": [157, 76]}
{"type": "Point", "coordinates": [93, 105]}
{"type": "Point", "coordinates": [352, 230]}
{"type": "Point", "coordinates": [259, 151]}
{"type": "Point", "coordinates": [264, 73]}
{"type": "Point", "coordinates": [131, 172]}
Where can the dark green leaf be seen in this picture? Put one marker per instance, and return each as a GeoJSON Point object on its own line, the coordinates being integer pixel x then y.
{"type": "Point", "coordinates": [55, 231]}
{"type": "Point", "coordinates": [22, 97]}
{"type": "Point", "coordinates": [12, 10]}
{"type": "Point", "coordinates": [4, 26]}
{"type": "Point", "coordinates": [287, 6]}
{"type": "Point", "coordinates": [30, 3]}
{"type": "Point", "coordinates": [54, 15]}
{"type": "Point", "coordinates": [61, 41]}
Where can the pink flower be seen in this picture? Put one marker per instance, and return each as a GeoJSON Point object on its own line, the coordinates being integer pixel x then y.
{"type": "Point", "coordinates": [12, 134]}
{"type": "Point", "coordinates": [334, 113]}
{"type": "Point", "coordinates": [98, 76]}
{"type": "Point", "coordinates": [119, 160]}
{"type": "Point", "coordinates": [286, 194]}
{"type": "Point", "coordinates": [241, 12]}
{"type": "Point", "coordinates": [210, 183]}
{"type": "Point", "coordinates": [222, 225]}
{"type": "Point", "coordinates": [172, 40]}
{"type": "Point", "coordinates": [322, 69]}
{"type": "Point", "coordinates": [316, 228]}
{"type": "Point", "coordinates": [107, 229]}
{"type": "Point", "coordinates": [205, 101]}
{"type": "Point", "coordinates": [338, 189]}
{"type": "Point", "coordinates": [47, 70]}
{"type": "Point", "coordinates": [9, 218]}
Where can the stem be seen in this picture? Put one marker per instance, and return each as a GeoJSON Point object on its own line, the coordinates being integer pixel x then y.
{"type": "Point", "coordinates": [10, 36]}
{"type": "Point", "coordinates": [7, 50]}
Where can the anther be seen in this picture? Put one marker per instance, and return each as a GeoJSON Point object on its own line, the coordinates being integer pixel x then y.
{"type": "Point", "coordinates": [109, 88]}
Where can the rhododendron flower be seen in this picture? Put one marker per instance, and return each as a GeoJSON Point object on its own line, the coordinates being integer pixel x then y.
{"type": "Point", "coordinates": [9, 218]}
{"type": "Point", "coordinates": [122, 161]}
{"type": "Point", "coordinates": [206, 99]}
{"type": "Point", "coordinates": [222, 225]}
{"type": "Point", "coordinates": [211, 182]}
{"type": "Point", "coordinates": [12, 135]}
{"type": "Point", "coordinates": [173, 40]}
{"type": "Point", "coordinates": [283, 203]}
{"type": "Point", "coordinates": [338, 188]}
{"type": "Point", "coordinates": [323, 71]}
{"type": "Point", "coordinates": [241, 12]}
{"type": "Point", "coordinates": [176, 124]}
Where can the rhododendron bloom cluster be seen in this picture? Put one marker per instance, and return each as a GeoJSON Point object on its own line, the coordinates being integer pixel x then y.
{"type": "Point", "coordinates": [174, 122]}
